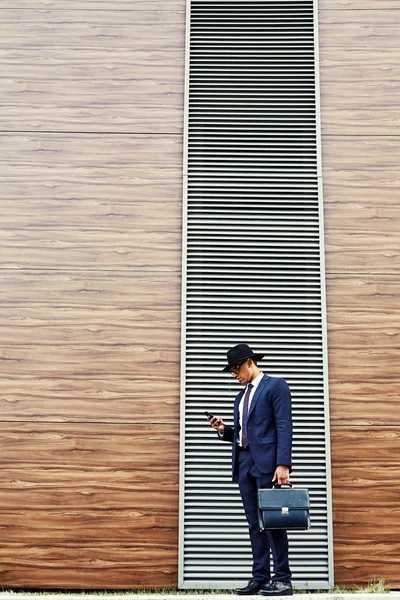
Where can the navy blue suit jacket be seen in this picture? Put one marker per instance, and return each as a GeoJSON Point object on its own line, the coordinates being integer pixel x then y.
{"type": "Point", "coordinates": [269, 426]}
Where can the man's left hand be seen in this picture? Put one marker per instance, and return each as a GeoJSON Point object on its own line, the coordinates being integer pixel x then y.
{"type": "Point", "coordinates": [281, 475]}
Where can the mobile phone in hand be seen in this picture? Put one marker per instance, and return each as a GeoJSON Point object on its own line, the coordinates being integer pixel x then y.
{"type": "Point", "coordinates": [208, 414]}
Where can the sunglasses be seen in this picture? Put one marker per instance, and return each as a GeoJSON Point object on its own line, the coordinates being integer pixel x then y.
{"type": "Point", "coordinates": [235, 370]}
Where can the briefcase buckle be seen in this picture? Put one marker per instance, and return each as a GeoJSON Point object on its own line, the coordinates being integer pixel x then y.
{"type": "Point", "coordinates": [285, 510]}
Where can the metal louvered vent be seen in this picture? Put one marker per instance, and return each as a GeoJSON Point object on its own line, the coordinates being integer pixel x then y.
{"type": "Point", "coordinates": [253, 270]}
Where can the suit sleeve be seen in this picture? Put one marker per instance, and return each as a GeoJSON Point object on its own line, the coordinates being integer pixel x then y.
{"type": "Point", "coordinates": [227, 436]}
{"type": "Point", "coordinates": [282, 406]}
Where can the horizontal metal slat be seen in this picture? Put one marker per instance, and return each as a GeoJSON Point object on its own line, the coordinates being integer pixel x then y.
{"type": "Point", "coordinates": [253, 239]}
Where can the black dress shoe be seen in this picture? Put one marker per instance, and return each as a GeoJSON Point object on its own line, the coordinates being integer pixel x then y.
{"type": "Point", "coordinates": [251, 588]}
{"type": "Point", "coordinates": [276, 588]}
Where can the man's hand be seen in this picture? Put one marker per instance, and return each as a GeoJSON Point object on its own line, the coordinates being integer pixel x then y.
{"type": "Point", "coordinates": [281, 475]}
{"type": "Point", "coordinates": [217, 424]}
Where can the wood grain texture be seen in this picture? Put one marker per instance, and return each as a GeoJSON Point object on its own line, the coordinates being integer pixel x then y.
{"type": "Point", "coordinates": [137, 5]}
{"type": "Point", "coordinates": [365, 30]}
{"type": "Point", "coordinates": [366, 480]}
{"type": "Point", "coordinates": [369, 319]}
{"type": "Point", "coordinates": [362, 561]}
{"type": "Point", "coordinates": [369, 302]}
{"type": "Point", "coordinates": [360, 107]}
{"type": "Point", "coordinates": [90, 292]}
{"type": "Point", "coordinates": [361, 214]}
{"type": "Point", "coordinates": [345, 66]}
{"type": "Point", "coordinates": [362, 399]}
{"type": "Point", "coordinates": [87, 346]}
{"type": "Point", "coordinates": [360, 173]}
{"type": "Point", "coordinates": [348, 252]}
{"type": "Point", "coordinates": [363, 315]}
{"type": "Point", "coordinates": [360, 84]}
{"type": "Point", "coordinates": [365, 364]}
{"type": "Point", "coordinates": [110, 566]}
{"type": "Point", "coordinates": [89, 201]}
{"type": "Point", "coordinates": [360, 75]}
{"type": "Point", "coordinates": [82, 508]}
{"type": "Point", "coordinates": [374, 446]}
{"type": "Point", "coordinates": [92, 70]}
{"type": "Point", "coordinates": [89, 247]}
{"type": "Point", "coordinates": [325, 5]}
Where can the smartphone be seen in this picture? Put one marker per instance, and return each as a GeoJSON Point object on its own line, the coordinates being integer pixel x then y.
{"type": "Point", "coordinates": [208, 414]}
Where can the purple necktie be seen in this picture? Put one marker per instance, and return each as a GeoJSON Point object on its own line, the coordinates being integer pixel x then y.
{"type": "Point", "coordinates": [245, 412]}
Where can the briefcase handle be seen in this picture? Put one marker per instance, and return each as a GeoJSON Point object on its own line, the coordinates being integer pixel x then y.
{"type": "Point", "coordinates": [276, 486]}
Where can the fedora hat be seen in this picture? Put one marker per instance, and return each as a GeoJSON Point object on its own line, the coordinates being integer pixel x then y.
{"type": "Point", "coordinates": [238, 353]}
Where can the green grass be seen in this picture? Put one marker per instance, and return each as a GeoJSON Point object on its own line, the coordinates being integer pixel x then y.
{"type": "Point", "coordinates": [375, 586]}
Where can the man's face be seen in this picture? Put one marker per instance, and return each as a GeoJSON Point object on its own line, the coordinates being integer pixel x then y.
{"type": "Point", "coordinates": [242, 372]}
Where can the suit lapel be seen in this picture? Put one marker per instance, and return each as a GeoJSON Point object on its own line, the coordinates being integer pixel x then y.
{"type": "Point", "coordinates": [257, 393]}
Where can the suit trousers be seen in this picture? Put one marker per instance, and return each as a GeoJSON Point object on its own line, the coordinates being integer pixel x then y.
{"type": "Point", "coordinates": [250, 480]}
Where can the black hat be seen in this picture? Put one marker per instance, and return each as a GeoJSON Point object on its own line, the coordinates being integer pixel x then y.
{"type": "Point", "coordinates": [240, 352]}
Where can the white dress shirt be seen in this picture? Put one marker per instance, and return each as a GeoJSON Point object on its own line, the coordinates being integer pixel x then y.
{"type": "Point", "coordinates": [255, 384]}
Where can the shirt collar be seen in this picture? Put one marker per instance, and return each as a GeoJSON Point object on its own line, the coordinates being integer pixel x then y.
{"type": "Point", "coordinates": [256, 381]}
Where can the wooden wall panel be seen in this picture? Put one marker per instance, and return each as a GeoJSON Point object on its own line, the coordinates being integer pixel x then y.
{"type": "Point", "coordinates": [361, 108]}
{"type": "Point", "coordinates": [85, 566]}
{"type": "Point", "coordinates": [352, 4]}
{"type": "Point", "coordinates": [362, 218]}
{"type": "Point", "coordinates": [88, 201]}
{"type": "Point", "coordinates": [90, 270]}
{"type": "Point", "coordinates": [365, 500]}
{"type": "Point", "coordinates": [92, 70]}
{"type": "Point", "coordinates": [78, 345]}
{"type": "Point", "coordinates": [137, 5]}
{"type": "Point", "coordinates": [364, 342]}
{"type": "Point", "coordinates": [362, 253]}
{"type": "Point", "coordinates": [367, 67]}
{"type": "Point", "coordinates": [360, 81]}
{"type": "Point", "coordinates": [372, 28]}
{"type": "Point", "coordinates": [373, 171]}
{"type": "Point", "coordinates": [89, 247]}
{"type": "Point", "coordinates": [361, 76]}
{"type": "Point", "coordinates": [87, 499]}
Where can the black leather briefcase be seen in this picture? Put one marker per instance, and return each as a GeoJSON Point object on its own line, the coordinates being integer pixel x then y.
{"type": "Point", "coordinates": [284, 508]}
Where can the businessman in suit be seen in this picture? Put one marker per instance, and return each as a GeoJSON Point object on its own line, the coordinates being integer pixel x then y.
{"type": "Point", "coordinates": [261, 439]}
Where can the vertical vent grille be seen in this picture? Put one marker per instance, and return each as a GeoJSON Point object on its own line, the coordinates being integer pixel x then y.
{"type": "Point", "coordinates": [253, 270]}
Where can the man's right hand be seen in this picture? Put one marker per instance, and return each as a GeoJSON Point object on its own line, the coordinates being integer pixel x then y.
{"type": "Point", "coordinates": [217, 424]}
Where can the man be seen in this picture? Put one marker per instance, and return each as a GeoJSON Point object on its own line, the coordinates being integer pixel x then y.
{"type": "Point", "coordinates": [261, 440]}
